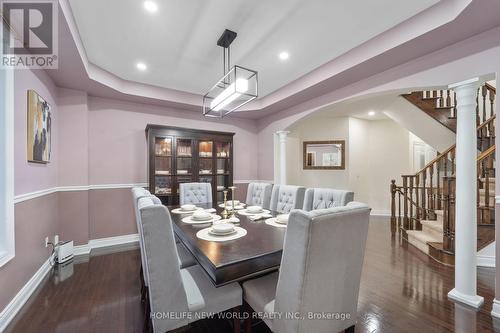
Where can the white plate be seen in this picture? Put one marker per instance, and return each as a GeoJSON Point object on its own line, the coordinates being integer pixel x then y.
{"type": "Point", "coordinates": [207, 236]}
{"type": "Point", "coordinates": [180, 211]}
{"type": "Point", "coordinates": [246, 213]}
{"type": "Point", "coordinates": [232, 232]}
{"type": "Point", "coordinates": [189, 220]}
{"type": "Point", "coordinates": [229, 207]}
{"type": "Point", "coordinates": [272, 221]}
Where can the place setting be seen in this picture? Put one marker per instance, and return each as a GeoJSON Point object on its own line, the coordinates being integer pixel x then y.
{"type": "Point", "coordinates": [280, 221]}
{"type": "Point", "coordinates": [254, 212]}
{"type": "Point", "coordinates": [201, 217]}
{"type": "Point", "coordinates": [232, 204]}
{"type": "Point", "coordinates": [221, 231]}
{"type": "Point", "coordinates": [190, 209]}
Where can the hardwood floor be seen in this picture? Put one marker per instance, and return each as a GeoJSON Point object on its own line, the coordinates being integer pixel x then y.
{"type": "Point", "coordinates": [402, 290]}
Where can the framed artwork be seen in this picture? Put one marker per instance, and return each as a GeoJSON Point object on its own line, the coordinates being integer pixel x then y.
{"type": "Point", "coordinates": [39, 128]}
{"type": "Point", "coordinates": [330, 155]}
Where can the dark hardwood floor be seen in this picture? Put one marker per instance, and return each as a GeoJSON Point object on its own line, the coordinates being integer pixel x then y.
{"type": "Point", "coordinates": [402, 290]}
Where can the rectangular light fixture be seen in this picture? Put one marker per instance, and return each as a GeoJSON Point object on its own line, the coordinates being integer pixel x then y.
{"type": "Point", "coordinates": [235, 89]}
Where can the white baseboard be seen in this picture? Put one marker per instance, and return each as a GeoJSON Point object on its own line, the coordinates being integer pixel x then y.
{"type": "Point", "coordinates": [23, 295]}
{"type": "Point", "coordinates": [495, 311]}
{"type": "Point", "coordinates": [485, 261]}
{"type": "Point", "coordinates": [113, 241]}
{"type": "Point", "coordinates": [376, 212]}
{"type": "Point", "coordinates": [27, 290]}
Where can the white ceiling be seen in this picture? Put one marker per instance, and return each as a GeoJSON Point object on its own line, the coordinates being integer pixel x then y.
{"type": "Point", "coordinates": [178, 42]}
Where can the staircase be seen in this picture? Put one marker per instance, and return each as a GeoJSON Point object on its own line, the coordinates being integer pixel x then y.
{"type": "Point", "coordinates": [423, 207]}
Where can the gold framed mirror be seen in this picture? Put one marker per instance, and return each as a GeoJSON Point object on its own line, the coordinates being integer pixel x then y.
{"type": "Point", "coordinates": [324, 155]}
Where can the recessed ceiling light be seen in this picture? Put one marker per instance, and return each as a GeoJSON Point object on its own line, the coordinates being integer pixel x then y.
{"type": "Point", "coordinates": [371, 113]}
{"type": "Point", "coordinates": [284, 55]}
{"type": "Point", "coordinates": [141, 66]}
{"type": "Point", "coordinates": [150, 6]}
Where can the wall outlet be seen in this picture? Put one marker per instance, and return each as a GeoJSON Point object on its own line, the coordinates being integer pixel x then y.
{"type": "Point", "coordinates": [47, 241]}
{"type": "Point", "coordinates": [56, 239]}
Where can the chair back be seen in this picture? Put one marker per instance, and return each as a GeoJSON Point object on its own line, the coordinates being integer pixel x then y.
{"type": "Point", "coordinates": [284, 198]}
{"type": "Point", "coordinates": [195, 193]}
{"type": "Point", "coordinates": [322, 198]}
{"type": "Point", "coordinates": [166, 289]}
{"type": "Point", "coordinates": [259, 194]}
{"type": "Point", "coordinates": [137, 193]}
{"type": "Point", "coordinates": [321, 268]}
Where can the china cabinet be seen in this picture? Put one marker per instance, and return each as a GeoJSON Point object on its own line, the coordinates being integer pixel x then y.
{"type": "Point", "coordinates": [182, 155]}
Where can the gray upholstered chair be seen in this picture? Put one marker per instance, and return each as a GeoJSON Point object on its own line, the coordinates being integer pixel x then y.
{"type": "Point", "coordinates": [320, 271]}
{"type": "Point", "coordinates": [185, 258]}
{"type": "Point", "coordinates": [195, 193]}
{"type": "Point", "coordinates": [321, 198]}
{"type": "Point", "coordinates": [284, 198]}
{"type": "Point", "coordinates": [175, 290]}
{"type": "Point", "coordinates": [259, 194]}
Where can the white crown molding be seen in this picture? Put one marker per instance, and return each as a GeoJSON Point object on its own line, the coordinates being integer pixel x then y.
{"type": "Point", "coordinates": [36, 194]}
{"type": "Point", "coordinates": [15, 305]}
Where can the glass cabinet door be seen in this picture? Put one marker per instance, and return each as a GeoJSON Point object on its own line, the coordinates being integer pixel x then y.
{"type": "Point", "coordinates": [184, 156]}
{"type": "Point", "coordinates": [222, 167]}
{"type": "Point", "coordinates": [205, 157]}
{"type": "Point", "coordinates": [163, 165]}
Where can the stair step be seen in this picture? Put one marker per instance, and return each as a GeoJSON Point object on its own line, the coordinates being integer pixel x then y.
{"type": "Point", "coordinates": [491, 180]}
{"type": "Point", "coordinates": [444, 107]}
{"type": "Point", "coordinates": [420, 239]}
{"type": "Point", "coordinates": [432, 228]}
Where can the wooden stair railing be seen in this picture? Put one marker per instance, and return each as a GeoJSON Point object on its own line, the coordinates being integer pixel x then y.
{"type": "Point", "coordinates": [433, 188]}
{"type": "Point", "coordinates": [441, 104]}
{"type": "Point", "coordinates": [485, 206]}
{"type": "Point", "coordinates": [421, 193]}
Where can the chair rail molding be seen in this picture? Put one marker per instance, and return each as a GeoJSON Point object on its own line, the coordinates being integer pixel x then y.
{"type": "Point", "coordinates": [32, 195]}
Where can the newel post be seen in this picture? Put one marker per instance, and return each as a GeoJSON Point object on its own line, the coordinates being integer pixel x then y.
{"type": "Point", "coordinates": [393, 206]}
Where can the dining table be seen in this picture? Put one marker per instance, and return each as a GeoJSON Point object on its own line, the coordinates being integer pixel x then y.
{"type": "Point", "coordinates": [255, 254]}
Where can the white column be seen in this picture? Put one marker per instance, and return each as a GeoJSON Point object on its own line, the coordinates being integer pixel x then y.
{"type": "Point", "coordinates": [465, 290]}
{"type": "Point", "coordinates": [282, 136]}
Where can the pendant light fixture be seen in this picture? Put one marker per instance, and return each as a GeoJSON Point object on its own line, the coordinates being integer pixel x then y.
{"type": "Point", "coordinates": [237, 87]}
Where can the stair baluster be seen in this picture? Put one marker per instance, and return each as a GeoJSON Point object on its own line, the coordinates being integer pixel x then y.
{"type": "Point", "coordinates": [405, 203]}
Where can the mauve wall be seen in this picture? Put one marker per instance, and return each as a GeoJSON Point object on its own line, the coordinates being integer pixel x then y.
{"type": "Point", "coordinates": [30, 177]}
{"type": "Point", "coordinates": [118, 155]}
{"type": "Point", "coordinates": [117, 142]}
{"type": "Point", "coordinates": [37, 218]}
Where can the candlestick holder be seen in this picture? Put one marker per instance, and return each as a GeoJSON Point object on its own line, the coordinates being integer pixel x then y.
{"type": "Point", "coordinates": [233, 212]}
{"type": "Point", "coordinates": [225, 213]}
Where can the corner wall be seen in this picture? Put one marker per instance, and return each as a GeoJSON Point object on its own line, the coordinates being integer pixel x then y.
{"type": "Point", "coordinates": [376, 152]}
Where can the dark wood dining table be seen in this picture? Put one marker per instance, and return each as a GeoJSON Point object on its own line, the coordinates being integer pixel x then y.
{"type": "Point", "coordinates": [255, 254]}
